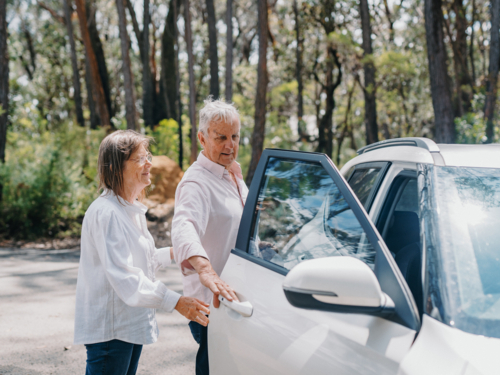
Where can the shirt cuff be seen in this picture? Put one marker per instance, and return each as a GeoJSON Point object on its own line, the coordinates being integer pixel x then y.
{"type": "Point", "coordinates": [170, 300]}
{"type": "Point", "coordinates": [163, 256]}
{"type": "Point", "coordinates": [194, 250]}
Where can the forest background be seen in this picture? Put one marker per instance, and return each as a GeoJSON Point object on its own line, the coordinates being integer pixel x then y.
{"type": "Point", "coordinates": [314, 75]}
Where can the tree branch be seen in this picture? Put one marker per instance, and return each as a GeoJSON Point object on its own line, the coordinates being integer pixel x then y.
{"type": "Point", "coordinates": [54, 14]}
{"type": "Point", "coordinates": [137, 30]}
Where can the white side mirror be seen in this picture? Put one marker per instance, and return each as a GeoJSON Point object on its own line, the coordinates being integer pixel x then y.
{"type": "Point", "coordinates": [340, 284]}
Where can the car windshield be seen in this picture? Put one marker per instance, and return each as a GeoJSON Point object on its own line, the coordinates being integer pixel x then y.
{"type": "Point", "coordinates": [461, 213]}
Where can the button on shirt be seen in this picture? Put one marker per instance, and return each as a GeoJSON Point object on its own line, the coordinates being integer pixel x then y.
{"type": "Point", "coordinates": [208, 209]}
{"type": "Point", "coordinates": [116, 291]}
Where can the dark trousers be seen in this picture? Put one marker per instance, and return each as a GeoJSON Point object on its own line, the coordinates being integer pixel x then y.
{"type": "Point", "coordinates": [200, 335]}
{"type": "Point", "coordinates": [113, 357]}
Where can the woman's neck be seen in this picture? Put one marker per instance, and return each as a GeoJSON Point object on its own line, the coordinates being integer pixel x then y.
{"type": "Point", "coordinates": [130, 194]}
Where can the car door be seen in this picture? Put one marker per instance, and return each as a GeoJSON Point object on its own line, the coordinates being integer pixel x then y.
{"type": "Point", "coordinates": [299, 207]}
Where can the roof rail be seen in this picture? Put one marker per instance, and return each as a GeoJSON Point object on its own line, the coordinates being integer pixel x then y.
{"type": "Point", "coordinates": [425, 143]}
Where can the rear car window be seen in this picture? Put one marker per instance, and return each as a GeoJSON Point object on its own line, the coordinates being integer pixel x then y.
{"type": "Point", "coordinates": [362, 183]}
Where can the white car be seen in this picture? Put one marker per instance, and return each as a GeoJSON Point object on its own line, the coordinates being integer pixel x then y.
{"type": "Point", "coordinates": [390, 266]}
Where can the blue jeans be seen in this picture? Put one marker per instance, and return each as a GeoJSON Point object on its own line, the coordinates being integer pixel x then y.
{"type": "Point", "coordinates": [200, 336]}
{"type": "Point", "coordinates": [113, 357]}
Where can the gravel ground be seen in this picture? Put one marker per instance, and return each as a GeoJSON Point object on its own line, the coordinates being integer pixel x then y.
{"type": "Point", "coordinates": [37, 306]}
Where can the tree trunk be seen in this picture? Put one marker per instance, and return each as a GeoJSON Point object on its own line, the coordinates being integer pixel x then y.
{"type": "Point", "coordinates": [192, 90]}
{"type": "Point", "coordinates": [492, 78]}
{"type": "Point", "coordinates": [74, 65]}
{"type": "Point", "coordinates": [94, 116]}
{"type": "Point", "coordinates": [389, 20]}
{"type": "Point", "coordinates": [99, 54]}
{"type": "Point", "coordinates": [369, 71]}
{"type": "Point", "coordinates": [97, 86]}
{"type": "Point", "coordinates": [471, 48]}
{"type": "Point", "coordinates": [345, 131]}
{"type": "Point", "coordinates": [128, 81]}
{"type": "Point", "coordinates": [301, 128]}
{"type": "Point", "coordinates": [4, 82]}
{"type": "Point", "coordinates": [260, 97]}
{"type": "Point", "coordinates": [214, 58]}
{"type": "Point", "coordinates": [325, 129]}
{"type": "Point", "coordinates": [229, 51]}
{"type": "Point", "coordinates": [147, 83]}
{"type": "Point", "coordinates": [178, 102]}
{"type": "Point", "coordinates": [464, 81]}
{"type": "Point", "coordinates": [168, 78]}
{"type": "Point", "coordinates": [137, 31]}
{"type": "Point", "coordinates": [440, 82]}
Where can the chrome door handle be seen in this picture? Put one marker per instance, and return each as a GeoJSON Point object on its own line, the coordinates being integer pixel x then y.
{"type": "Point", "coordinates": [243, 308]}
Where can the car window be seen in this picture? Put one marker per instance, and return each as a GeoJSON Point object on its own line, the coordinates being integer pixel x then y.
{"type": "Point", "coordinates": [301, 214]}
{"type": "Point", "coordinates": [362, 182]}
{"type": "Point", "coordinates": [409, 197]}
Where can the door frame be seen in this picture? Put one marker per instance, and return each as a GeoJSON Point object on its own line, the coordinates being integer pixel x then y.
{"type": "Point", "coordinates": [386, 269]}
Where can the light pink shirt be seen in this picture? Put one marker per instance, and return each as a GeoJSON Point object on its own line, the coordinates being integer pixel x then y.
{"type": "Point", "coordinates": [208, 209]}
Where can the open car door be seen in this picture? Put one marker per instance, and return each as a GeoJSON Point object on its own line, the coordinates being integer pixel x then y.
{"type": "Point", "coordinates": [299, 208]}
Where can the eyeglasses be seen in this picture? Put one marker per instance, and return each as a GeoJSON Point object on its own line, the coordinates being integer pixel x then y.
{"type": "Point", "coordinates": [142, 159]}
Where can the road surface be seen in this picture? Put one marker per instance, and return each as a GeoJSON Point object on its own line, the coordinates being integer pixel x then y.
{"type": "Point", "coordinates": [37, 308]}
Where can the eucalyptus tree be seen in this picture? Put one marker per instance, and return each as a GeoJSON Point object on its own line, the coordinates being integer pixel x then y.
{"type": "Point", "coordinates": [74, 63]}
{"type": "Point", "coordinates": [229, 51]}
{"type": "Point", "coordinates": [98, 95]}
{"type": "Point", "coordinates": [192, 90]}
{"type": "Point", "coordinates": [261, 91]}
{"type": "Point", "coordinates": [4, 82]}
{"type": "Point", "coordinates": [214, 57]}
{"type": "Point", "coordinates": [369, 89]}
{"type": "Point", "coordinates": [444, 126]}
{"type": "Point", "coordinates": [492, 79]}
{"type": "Point", "coordinates": [127, 72]}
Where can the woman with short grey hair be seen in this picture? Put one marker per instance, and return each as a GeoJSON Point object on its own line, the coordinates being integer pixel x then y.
{"type": "Point", "coordinates": [117, 293]}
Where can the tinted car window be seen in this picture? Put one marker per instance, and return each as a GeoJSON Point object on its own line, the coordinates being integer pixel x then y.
{"type": "Point", "coordinates": [301, 214]}
{"type": "Point", "coordinates": [362, 182]}
{"type": "Point", "coordinates": [409, 197]}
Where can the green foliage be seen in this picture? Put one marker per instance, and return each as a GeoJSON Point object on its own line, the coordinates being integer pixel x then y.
{"type": "Point", "coordinates": [166, 139]}
{"type": "Point", "coordinates": [470, 128]}
{"type": "Point", "coordinates": [395, 64]}
{"type": "Point", "coordinates": [48, 181]}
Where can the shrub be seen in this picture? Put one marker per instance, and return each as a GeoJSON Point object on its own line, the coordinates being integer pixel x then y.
{"type": "Point", "coordinates": [48, 182]}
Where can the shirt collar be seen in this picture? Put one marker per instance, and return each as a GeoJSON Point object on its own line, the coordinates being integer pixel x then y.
{"type": "Point", "coordinates": [218, 169]}
{"type": "Point", "coordinates": [135, 207]}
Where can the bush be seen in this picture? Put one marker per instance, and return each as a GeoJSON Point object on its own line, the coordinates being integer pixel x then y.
{"type": "Point", "coordinates": [48, 182]}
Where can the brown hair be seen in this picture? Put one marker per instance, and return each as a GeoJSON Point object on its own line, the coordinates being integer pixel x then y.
{"type": "Point", "coordinates": [114, 151]}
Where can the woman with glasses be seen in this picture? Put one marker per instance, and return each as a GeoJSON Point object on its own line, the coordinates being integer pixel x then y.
{"type": "Point", "coordinates": [117, 293]}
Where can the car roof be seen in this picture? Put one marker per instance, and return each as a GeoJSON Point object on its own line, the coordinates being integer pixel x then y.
{"type": "Point", "coordinates": [486, 156]}
{"type": "Point", "coordinates": [424, 150]}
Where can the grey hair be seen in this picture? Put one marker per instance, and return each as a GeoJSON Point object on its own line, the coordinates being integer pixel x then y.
{"type": "Point", "coordinates": [216, 111]}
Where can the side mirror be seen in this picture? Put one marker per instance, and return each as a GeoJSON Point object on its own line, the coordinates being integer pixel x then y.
{"type": "Point", "coordinates": [339, 284]}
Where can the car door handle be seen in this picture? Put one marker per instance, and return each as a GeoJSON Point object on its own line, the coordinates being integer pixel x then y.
{"type": "Point", "coordinates": [243, 308]}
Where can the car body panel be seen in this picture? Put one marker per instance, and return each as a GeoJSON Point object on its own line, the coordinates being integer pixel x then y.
{"type": "Point", "coordinates": [450, 351]}
{"type": "Point", "coordinates": [281, 339]}
{"type": "Point", "coordinates": [484, 156]}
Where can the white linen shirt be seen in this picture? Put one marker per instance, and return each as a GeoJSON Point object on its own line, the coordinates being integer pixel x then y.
{"type": "Point", "coordinates": [208, 209]}
{"type": "Point", "coordinates": [116, 290]}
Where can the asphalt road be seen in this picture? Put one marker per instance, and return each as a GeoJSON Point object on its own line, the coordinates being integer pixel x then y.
{"type": "Point", "coordinates": [37, 308]}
